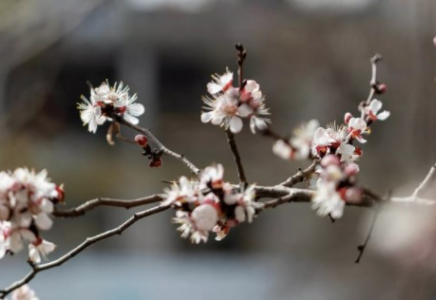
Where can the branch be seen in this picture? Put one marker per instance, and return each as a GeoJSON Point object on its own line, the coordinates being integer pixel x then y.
{"type": "Point", "coordinates": [91, 204]}
{"type": "Point", "coordinates": [159, 146]}
{"type": "Point", "coordinates": [428, 182]}
{"type": "Point", "coordinates": [88, 242]}
{"type": "Point", "coordinates": [301, 175]}
{"type": "Point", "coordinates": [232, 143]}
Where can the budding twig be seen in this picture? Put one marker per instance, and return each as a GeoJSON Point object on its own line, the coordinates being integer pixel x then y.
{"type": "Point", "coordinates": [88, 242]}
{"type": "Point", "coordinates": [159, 146]}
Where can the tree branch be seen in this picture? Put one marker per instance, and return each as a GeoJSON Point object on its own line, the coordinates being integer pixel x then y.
{"type": "Point", "coordinates": [88, 242]}
{"type": "Point", "coordinates": [301, 175]}
{"type": "Point", "coordinates": [91, 204]}
{"type": "Point", "coordinates": [232, 143]}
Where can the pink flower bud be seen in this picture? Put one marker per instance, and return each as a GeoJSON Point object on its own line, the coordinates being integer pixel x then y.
{"type": "Point", "coordinates": [382, 88]}
{"type": "Point", "coordinates": [434, 41]}
{"type": "Point", "coordinates": [330, 160]}
{"type": "Point", "coordinates": [141, 140]}
{"type": "Point", "coordinates": [353, 195]}
{"type": "Point", "coordinates": [351, 169]}
{"type": "Point", "coordinates": [347, 117]}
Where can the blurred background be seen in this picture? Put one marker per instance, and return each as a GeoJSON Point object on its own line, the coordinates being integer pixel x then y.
{"type": "Point", "coordinates": [311, 58]}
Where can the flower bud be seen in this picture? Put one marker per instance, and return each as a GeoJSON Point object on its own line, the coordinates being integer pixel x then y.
{"type": "Point", "coordinates": [141, 140]}
{"type": "Point", "coordinates": [155, 162]}
{"type": "Point", "coordinates": [434, 41]}
{"type": "Point", "coordinates": [351, 169]}
{"type": "Point", "coordinates": [347, 117]}
{"type": "Point", "coordinates": [353, 195]}
{"type": "Point", "coordinates": [330, 160]}
{"type": "Point", "coordinates": [381, 88]}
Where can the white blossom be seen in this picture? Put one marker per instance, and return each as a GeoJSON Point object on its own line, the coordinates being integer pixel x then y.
{"type": "Point", "coordinates": [183, 191]}
{"type": "Point", "coordinates": [220, 83]}
{"type": "Point", "coordinates": [104, 98]}
{"type": "Point", "coordinates": [357, 126]}
{"type": "Point", "coordinates": [327, 201]}
{"type": "Point", "coordinates": [223, 111]}
{"type": "Point", "coordinates": [91, 114]}
{"type": "Point", "coordinates": [372, 110]}
{"type": "Point", "coordinates": [246, 209]}
{"type": "Point", "coordinates": [40, 249]}
{"type": "Point", "coordinates": [213, 176]}
{"type": "Point", "coordinates": [24, 293]}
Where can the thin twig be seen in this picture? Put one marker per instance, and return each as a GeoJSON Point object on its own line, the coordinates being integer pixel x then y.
{"type": "Point", "coordinates": [241, 173]}
{"type": "Point", "coordinates": [88, 242]}
{"type": "Point", "coordinates": [159, 146]}
{"type": "Point", "coordinates": [428, 181]}
{"type": "Point", "coordinates": [91, 204]}
{"type": "Point", "coordinates": [373, 84]}
{"type": "Point", "coordinates": [361, 248]}
{"type": "Point", "coordinates": [301, 175]}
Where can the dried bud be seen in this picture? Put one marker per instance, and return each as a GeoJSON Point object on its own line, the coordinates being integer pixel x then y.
{"type": "Point", "coordinates": [141, 140]}
{"type": "Point", "coordinates": [347, 117]}
{"type": "Point", "coordinates": [155, 162]}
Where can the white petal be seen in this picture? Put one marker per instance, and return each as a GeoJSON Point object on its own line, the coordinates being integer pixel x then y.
{"type": "Point", "coordinates": [383, 115]}
{"type": "Point", "coordinates": [206, 116]}
{"type": "Point", "coordinates": [252, 86]}
{"type": "Point", "coordinates": [240, 214]}
{"type": "Point", "coordinates": [213, 88]}
{"type": "Point", "coordinates": [375, 106]}
{"type": "Point", "coordinates": [43, 221]}
{"type": "Point", "coordinates": [217, 119]}
{"type": "Point", "coordinates": [34, 255]}
{"type": "Point", "coordinates": [235, 124]}
{"type": "Point", "coordinates": [245, 110]}
{"type": "Point", "coordinates": [136, 109]}
{"type": "Point", "coordinates": [131, 119]}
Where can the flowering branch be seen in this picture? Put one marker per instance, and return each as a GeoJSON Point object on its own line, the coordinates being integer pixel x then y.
{"type": "Point", "coordinates": [206, 203]}
{"type": "Point", "coordinates": [88, 242]}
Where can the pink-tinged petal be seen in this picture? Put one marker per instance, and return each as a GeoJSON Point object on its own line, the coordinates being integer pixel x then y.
{"type": "Point", "coordinates": [136, 109]}
{"type": "Point", "coordinates": [252, 86]}
{"type": "Point", "coordinates": [235, 124]}
{"type": "Point", "coordinates": [434, 41]}
{"type": "Point", "coordinates": [213, 88]}
{"type": "Point", "coordinates": [383, 115]}
{"type": "Point", "coordinates": [43, 221]}
{"type": "Point", "coordinates": [227, 78]}
{"type": "Point", "coordinates": [375, 106]}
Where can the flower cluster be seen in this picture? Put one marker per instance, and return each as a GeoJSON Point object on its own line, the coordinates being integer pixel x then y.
{"type": "Point", "coordinates": [105, 102]}
{"type": "Point", "coordinates": [27, 199]}
{"type": "Point", "coordinates": [227, 105]}
{"type": "Point", "coordinates": [333, 147]}
{"type": "Point", "coordinates": [210, 205]}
